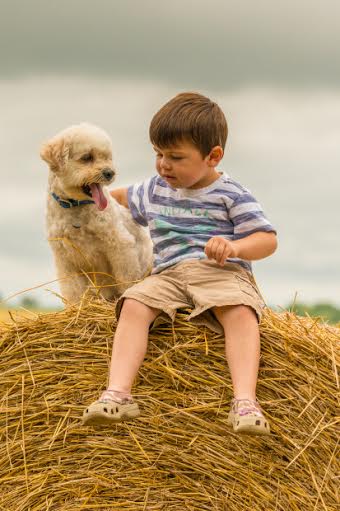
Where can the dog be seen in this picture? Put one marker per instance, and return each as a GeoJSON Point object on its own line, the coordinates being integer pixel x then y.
{"type": "Point", "coordinates": [95, 241]}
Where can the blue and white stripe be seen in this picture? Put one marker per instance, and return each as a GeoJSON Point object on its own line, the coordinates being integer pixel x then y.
{"type": "Point", "coordinates": [181, 221]}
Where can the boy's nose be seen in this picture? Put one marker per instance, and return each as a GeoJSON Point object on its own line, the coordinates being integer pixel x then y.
{"type": "Point", "coordinates": [165, 164]}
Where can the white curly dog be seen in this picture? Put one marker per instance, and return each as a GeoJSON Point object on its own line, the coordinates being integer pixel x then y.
{"type": "Point", "coordinates": [95, 241]}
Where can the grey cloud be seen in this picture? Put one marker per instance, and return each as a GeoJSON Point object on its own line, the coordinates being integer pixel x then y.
{"type": "Point", "coordinates": [194, 43]}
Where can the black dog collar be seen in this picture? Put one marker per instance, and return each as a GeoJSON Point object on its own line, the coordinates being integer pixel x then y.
{"type": "Point", "coordinates": [70, 203]}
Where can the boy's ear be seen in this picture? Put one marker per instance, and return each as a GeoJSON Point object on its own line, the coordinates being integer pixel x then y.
{"type": "Point", "coordinates": [215, 156]}
{"type": "Point", "coordinates": [55, 153]}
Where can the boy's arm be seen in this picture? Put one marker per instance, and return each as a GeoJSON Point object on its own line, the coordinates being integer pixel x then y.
{"type": "Point", "coordinates": [121, 196]}
{"type": "Point", "coordinates": [251, 248]}
{"type": "Point", "coordinates": [256, 246]}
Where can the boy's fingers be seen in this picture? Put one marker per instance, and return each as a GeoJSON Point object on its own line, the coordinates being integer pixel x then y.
{"type": "Point", "coordinates": [219, 251]}
{"type": "Point", "coordinates": [224, 255]}
{"type": "Point", "coordinates": [210, 248]}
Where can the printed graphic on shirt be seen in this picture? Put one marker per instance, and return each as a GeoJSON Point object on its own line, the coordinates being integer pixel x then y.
{"type": "Point", "coordinates": [181, 211]}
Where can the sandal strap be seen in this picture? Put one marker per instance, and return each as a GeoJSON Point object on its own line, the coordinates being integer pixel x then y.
{"type": "Point", "coordinates": [111, 395]}
{"type": "Point", "coordinates": [246, 407]}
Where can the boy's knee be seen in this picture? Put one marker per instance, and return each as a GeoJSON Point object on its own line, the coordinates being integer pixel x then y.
{"type": "Point", "coordinates": [237, 312]}
{"type": "Point", "coordinates": [133, 308]}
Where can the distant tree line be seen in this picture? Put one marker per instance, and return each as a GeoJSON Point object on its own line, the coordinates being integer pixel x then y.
{"type": "Point", "coordinates": [27, 302]}
{"type": "Point", "coordinates": [325, 311]}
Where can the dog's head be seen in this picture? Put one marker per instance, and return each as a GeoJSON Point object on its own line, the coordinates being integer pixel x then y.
{"type": "Point", "coordinates": [81, 158]}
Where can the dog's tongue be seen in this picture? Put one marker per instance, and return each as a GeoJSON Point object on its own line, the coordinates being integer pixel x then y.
{"type": "Point", "coordinates": [98, 196]}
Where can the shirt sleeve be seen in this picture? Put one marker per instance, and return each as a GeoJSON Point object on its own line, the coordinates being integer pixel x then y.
{"type": "Point", "coordinates": [248, 217]}
{"type": "Point", "coordinates": [138, 196]}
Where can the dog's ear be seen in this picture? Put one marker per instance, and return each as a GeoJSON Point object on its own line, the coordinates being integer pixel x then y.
{"type": "Point", "coordinates": [55, 153]}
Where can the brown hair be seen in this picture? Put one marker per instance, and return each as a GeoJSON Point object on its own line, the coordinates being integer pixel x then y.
{"type": "Point", "coordinates": [189, 117]}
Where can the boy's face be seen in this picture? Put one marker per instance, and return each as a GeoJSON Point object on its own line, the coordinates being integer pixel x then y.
{"type": "Point", "coordinates": [182, 165]}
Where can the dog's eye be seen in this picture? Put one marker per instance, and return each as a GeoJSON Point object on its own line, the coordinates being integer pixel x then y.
{"type": "Point", "coordinates": [87, 157]}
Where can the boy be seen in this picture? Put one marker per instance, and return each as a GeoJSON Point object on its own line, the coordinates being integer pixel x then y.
{"type": "Point", "coordinates": [205, 228]}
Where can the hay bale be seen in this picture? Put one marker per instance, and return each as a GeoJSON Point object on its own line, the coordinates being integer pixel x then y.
{"type": "Point", "coordinates": [179, 455]}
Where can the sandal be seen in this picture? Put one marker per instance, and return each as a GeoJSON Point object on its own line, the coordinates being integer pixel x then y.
{"type": "Point", "coordinates": [108, 410]}
{"type": "Point", "coordinates": [246, 417]}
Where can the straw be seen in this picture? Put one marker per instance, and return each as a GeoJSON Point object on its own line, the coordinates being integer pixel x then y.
{"type": "Point", "coordinates": [180, 454]}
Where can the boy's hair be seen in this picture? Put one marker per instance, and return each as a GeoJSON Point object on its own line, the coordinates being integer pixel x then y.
{"type": "Point", "coordinates": [189, 117]}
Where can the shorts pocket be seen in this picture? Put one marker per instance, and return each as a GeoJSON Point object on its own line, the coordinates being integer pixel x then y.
{"type": "Point", "coordinates": [247, 286]}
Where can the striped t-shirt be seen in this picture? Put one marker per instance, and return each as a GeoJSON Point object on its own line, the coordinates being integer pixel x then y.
{"type": "Point", "coordinates": [182, 220]}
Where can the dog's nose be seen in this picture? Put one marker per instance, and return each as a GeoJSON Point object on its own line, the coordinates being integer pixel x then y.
{"type": "Point", "coordinates": [108, 174]}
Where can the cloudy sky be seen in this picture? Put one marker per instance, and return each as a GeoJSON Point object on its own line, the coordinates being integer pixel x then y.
{"type": "Point", "coordinates": [272, 65]}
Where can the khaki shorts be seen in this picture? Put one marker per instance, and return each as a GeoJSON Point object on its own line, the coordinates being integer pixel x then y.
{"type": "Point", "coordinates": [199, 285]}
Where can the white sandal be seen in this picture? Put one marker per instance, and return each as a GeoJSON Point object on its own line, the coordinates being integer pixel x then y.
{"type": "Point", "coordinates": [109, 410]}
{"type": "Point", "coordinates": [246, 417]}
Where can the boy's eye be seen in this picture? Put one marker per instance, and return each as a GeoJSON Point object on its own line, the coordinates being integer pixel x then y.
{"type": "Point", "coordinates": [87, 157]}
{"type": "Point", "coordinates": [171, 156]}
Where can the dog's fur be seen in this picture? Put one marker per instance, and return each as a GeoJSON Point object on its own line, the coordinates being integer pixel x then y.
{"type": "Point", "coordinates": [103, 245]}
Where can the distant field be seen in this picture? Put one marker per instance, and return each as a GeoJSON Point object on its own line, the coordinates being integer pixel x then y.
{"type": "Point", "coordinates": [4, 315]}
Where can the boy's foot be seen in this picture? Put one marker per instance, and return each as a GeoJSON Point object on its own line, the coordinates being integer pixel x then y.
{"type": "Point", "coordinates": [246, 417]}
{"type": "Point", "coordinates": [110, 409]}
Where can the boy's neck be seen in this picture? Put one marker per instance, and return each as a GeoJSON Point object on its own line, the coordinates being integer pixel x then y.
{"type": "Point", "coordinates": [211, 178]}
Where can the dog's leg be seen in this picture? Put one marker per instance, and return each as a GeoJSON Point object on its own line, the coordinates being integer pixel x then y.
{"type": "Point", "coordinates": [127, 269]}
{"type": "Point", "coordinates": [73, 282]}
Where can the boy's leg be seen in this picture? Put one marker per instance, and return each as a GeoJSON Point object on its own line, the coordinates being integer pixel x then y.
{"type": "Point", "coordinates": [129, 348]}
{"type": "Point", "coordinates": [130, 344]}
{"type": "Point", "coordinates": [242, 345]}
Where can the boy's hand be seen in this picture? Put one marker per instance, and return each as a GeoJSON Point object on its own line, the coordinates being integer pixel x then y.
{"type": "Point", "coordinates": [220, 249]}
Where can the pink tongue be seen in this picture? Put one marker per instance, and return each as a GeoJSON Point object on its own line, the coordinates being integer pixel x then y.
{"type": "Point", "coordinates": [98, 196]}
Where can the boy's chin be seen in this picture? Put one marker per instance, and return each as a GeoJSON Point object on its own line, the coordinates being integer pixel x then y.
{"type": "Point", "coordinates": [172, 182]}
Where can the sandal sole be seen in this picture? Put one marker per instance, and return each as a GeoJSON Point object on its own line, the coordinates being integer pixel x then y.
{"type": "Point", "coordinates": [249, 428]}
{"type": "Point", "coordinates": [107, 413]}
